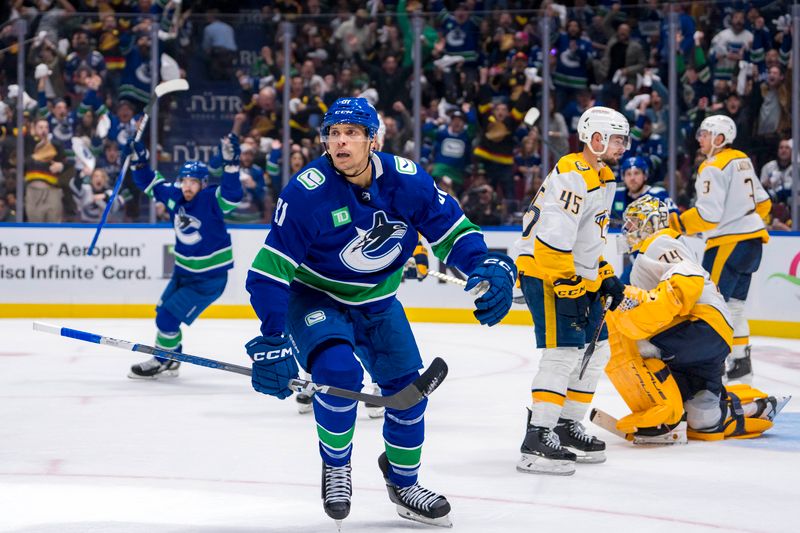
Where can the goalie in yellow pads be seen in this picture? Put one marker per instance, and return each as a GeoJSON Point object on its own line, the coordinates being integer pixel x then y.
{"type": "Point", "coordinates": [669, 339]}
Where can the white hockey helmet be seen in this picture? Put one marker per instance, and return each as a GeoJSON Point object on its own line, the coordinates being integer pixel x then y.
{"type": "Point", "coordinates": [606, 122]}
{"type": "Point", "coordinates": [718, 125]}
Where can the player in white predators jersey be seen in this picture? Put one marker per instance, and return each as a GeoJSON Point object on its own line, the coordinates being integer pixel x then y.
{"type": "Point", "coordinates": [729, 211]}
{"type": "Point", "coordinates": [669, 339]}
{"type": "Point", "coordinates": [565, 280]}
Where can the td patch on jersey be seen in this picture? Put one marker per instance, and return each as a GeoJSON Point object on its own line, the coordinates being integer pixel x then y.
{"type": "Point", "coordinates": [376, 248]}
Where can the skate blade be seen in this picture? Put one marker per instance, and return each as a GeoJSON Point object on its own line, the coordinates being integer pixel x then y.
{"type": "Point", "coordinates": [442, 521]}
{"type": "Point", "coordinates": [338, 525]}
{"type": "Point", "coordinates": [780, 404]}
{"type": "Point", "coordinates": [303, 408]}
{"type": "Point", "coordinates": [588, 457]}
{"type": "Point", "coordinates": [532, 464]}
{"type": "Point", "coordinates": [164, 374]}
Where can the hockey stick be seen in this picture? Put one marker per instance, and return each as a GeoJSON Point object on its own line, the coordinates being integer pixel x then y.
{"type": "Point", "coordinates": [478, 290]}
{"type": "Point", "coordinates": [411, 395]}
{"type": "Point", "coordinates": [161, 89]}
{"type": "Point", "coordinates": [604, 420]}
{"type": "Point", "coordinates": [592, 345]}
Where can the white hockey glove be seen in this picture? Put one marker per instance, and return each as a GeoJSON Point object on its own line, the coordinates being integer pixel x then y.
{"type": "Point", "coordinates": [229, 151]}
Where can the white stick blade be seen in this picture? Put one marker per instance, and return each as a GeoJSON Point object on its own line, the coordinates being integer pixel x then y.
{"type": "Point", "coordinates": [47, 328]}
{"type": "Point", "coordinates": [171, 86]}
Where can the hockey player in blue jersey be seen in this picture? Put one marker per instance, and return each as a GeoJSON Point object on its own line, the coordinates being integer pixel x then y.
{"type": "Point", "coordinates": [324, 287]}
{"type": "Point", "coordinates": [203, 253]}
{"type": "Point", "coordinates": [635, 174]}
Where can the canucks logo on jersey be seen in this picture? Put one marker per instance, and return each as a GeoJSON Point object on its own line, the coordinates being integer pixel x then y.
{"type": "Point", "coordinates": [187, 227]}
{"type": "Point", "coordinates": [376, 248]}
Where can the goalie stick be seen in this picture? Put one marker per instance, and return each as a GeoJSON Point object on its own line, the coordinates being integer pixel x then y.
{"type": "Point", "coordinates": [604, 420]}
{"type": "Point", "coordinates": [587, 355]}
{"type": "Point", "coordinates": [411, 395]}
{"type": "Point", "coordinates": [161, 89]}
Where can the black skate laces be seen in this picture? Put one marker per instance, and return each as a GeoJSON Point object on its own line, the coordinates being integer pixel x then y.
{"type": "Point", "coordinates": [418, 496]}
{"type": "Point", "coordinates": [337, 483]}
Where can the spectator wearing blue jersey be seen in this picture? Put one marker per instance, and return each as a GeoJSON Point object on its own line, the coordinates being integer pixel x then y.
{"type": "Point", "coordinates": [452, 149]}
{"type": "Point", "coordinates": [573, 56]}
{"type": "Point", "coordinates": [203, 251]}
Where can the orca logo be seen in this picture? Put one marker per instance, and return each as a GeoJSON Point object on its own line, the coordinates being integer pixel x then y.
{"type": "Point", "coordinates": [376, 248]}
{"type": "Point", "coordinates": [187, 227]}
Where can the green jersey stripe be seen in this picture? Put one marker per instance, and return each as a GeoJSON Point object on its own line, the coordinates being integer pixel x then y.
{"type": "Point", "coordinates": [274, 264]}
{"type": "Point", "coordinates": [351, 293]}
{"type": "Point", "coordinates": [224, 204]}
{"type": "Point", "coordinates": [201, 264]}
{"type": "Point", "coordinates": [157, 178]}
{"type": "Point", "coordinates": [442, 247]}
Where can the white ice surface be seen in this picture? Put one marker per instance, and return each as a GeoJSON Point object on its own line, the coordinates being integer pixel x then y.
{"type": "Point", "coordinates": [84, 448]}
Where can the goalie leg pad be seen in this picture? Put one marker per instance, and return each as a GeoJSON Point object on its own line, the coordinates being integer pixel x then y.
{"type": "Point", "coordinates": [646, 385]}
{"type": "Point", "coordinates": [735, 424]}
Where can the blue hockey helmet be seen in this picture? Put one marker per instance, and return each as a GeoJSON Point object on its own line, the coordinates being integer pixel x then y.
{"type": "Point", "coordinates": [635, 162]}
{"type": "Point", "coordinates": [351, 111]}
{"type": "Point", "coordinates": [194, 169]}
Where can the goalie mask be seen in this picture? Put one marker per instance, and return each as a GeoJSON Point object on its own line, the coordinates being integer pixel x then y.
{"type": "Point", "coordinates": [643, 218]}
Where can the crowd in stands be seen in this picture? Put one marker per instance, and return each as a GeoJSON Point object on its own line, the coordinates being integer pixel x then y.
{"type": "Point", "coordinates": [88, 69]}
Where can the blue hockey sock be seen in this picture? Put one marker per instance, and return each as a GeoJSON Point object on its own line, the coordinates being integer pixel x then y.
{"type": "Point", "coordinates": [403, 434]}
{"type": "Point", "coordinates": [336, 365]}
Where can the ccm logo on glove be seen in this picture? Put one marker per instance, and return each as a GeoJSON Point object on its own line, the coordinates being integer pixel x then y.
{"type": "Point", "coordinates": [272, 354]}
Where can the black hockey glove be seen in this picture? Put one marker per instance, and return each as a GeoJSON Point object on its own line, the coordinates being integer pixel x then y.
{"type": "Point", "coordinates": [572, 302]}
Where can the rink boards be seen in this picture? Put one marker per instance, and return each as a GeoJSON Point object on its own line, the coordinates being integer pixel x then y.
{"type": "Point", "coordinates": [45, 272]}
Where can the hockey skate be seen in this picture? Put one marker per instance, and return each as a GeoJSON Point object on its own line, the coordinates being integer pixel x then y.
{"type": "Point", "coordinates": [416, 502]}
{"type": "Point", "coordinates": [374, 411]}
{"type": "Point", "coordinates": [154, 369]}
{"type": "Point", "coordinates": [740, 369]}
{"type": "Point", "coordinates": [305, 402]}
{"type": "Point", "coordinates": [337, 487]}
{"type": "Point", "coordinates": [587, 448]}
{"type": "Point", "coordinates": [542, 453]}
{"type": "Point", "coordinates": [768, 408]}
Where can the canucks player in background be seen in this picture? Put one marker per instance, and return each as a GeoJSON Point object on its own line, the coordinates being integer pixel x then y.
{"type": "Point", "coordinates": [729, 210]}
{"type": "Point", "coordinates": [324, 287]}
{"type": "Point", "coordinates": [203, 253]}
{"type": "Point", "coordinates": [669, 339]}
{"type": "Point", "coordinates": [565, 281]}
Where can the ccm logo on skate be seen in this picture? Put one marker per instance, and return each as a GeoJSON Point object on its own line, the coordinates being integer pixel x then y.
{"type": "Point", "coordinates": [272, 354]}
